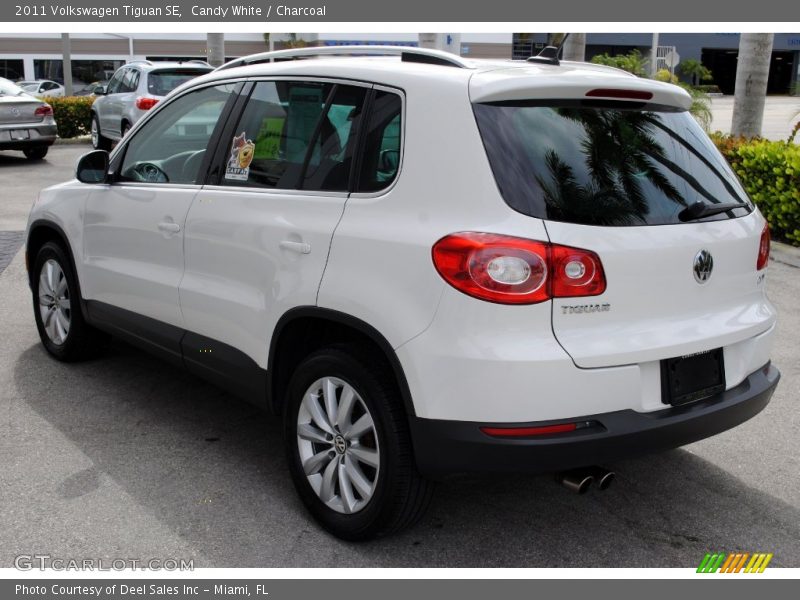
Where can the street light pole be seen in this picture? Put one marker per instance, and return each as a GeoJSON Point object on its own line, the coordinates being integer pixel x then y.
{"type": "Point", "coordinates": [66, 64]}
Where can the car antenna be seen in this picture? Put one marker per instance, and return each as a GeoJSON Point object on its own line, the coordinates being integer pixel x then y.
{"type": "Point", "coordinates": [549, 54]}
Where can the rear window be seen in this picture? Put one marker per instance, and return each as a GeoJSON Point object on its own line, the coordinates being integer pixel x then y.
{"type": "Point", "coordinates": [162, 82]}
{"type": "Point", "coordinates": [604, 164]}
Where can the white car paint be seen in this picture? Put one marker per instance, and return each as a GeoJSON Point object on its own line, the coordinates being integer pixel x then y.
{"type": "Point", "coordinates": [226, 275]}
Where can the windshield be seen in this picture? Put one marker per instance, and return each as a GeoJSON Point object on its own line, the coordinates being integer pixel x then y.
{"type": "Point", "coordinates": [161, 83]}
{"type": "Point", "coordinates": [604, 164]}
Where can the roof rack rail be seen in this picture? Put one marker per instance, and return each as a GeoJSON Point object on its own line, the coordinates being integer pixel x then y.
{"type": "Point", "coordinates": [139, 62]}
{"type": "Point", "coordinates": [195, 61]}
{"type": "Point", "coordinates": [406, 53]}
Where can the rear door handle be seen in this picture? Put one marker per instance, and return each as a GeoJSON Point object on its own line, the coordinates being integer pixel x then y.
{"type": "Point", "coordinates": [300, 247]}
{"type": "Point", "coordinates": [169, 227]}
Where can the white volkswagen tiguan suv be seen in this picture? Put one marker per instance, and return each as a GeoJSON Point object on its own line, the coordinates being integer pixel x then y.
{"type": "Point", "coordinates": [425, 264]}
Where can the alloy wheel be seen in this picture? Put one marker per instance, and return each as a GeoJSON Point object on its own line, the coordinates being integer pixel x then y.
{"type": "Point", "coordinates": [338, 445]}
{"type": "Point", "coordinates": [54, 302]}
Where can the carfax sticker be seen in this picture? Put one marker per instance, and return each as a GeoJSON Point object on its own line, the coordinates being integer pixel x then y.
{"type": "Point", "coordinates": [242, 152]}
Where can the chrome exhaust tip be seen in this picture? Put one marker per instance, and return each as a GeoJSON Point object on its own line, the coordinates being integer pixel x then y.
{"type": "Point", "coordinates": [604, 477]}
{"type": "Point", "coordinates": [577, 481]}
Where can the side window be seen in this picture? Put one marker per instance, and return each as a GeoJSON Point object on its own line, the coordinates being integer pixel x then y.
{"type": "Point", "coordinates": [328, 165]}
{"type": "Point", "coordinates": [286, 139]}
{"type": "Point", "coordinates": [116, 81]}
{"type": "Point", "coordinates": [171, 146]}
{"type": "Point", "coordinates": [382, 147]}
{"type": "Point", "coordinates": [131, 81]}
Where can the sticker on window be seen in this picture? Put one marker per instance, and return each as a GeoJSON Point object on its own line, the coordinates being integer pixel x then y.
{"type": "Point", "coordinates": [242, 152]}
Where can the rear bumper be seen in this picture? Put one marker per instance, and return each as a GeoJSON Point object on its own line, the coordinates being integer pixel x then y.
{"type": "Point", "coordinates": [38, 135]}
{"type": "Point", "coordinates": [443, 447]}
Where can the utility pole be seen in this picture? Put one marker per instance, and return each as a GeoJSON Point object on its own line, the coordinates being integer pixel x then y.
{"type": "Point", "coordinates": [215, 49]}
{"type": "Point", "coordinates": [66, 64]}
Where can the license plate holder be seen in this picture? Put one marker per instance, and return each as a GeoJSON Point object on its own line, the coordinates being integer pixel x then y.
{"type": "Point", "coordinates": [692, 377]}
{"type": "Point", "coordinates": [20, 134]}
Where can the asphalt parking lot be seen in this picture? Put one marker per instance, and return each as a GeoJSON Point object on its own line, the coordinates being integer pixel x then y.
{"type": "Point", "coordinates": [125, 457]}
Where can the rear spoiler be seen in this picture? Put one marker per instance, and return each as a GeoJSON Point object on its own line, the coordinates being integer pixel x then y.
{"type": "Point", "coordinates": [572, 83]}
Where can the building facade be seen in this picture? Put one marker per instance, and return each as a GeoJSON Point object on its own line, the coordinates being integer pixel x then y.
{"type": "Point", "coordinates": [95, 57]}
{"type": "Point", "coordinates": [717, 51]}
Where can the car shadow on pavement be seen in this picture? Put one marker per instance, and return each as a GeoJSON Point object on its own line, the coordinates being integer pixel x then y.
{"type": "Point", "coordinates": [15, 159]}
{"type": "Point", "coordinates": [211, 468]}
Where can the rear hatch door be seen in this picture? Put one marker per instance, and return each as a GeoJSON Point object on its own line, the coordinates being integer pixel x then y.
{"type": "Point", "coordinates": [616, 175]}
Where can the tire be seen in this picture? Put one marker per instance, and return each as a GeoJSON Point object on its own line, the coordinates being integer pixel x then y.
{"type": "Point", "coordinates": [393, 494]}
{"type": "Point", "coordinates": [76, 340]}
{"type": "Point", "coordinates": [36, 153]}
{"type": "Point", "coordinates": [99, 142]}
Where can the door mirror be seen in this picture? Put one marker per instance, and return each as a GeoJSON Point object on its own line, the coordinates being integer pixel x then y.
{"type": "Point", "coordinates": [100, 90]}
{"type": "Point", "coordinates": [93, 167]}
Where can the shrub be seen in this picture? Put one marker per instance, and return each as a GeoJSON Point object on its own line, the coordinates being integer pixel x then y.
{"type": "Point", "coordinates": [73, 115]}
{"type": "Point", "coordinates": [770, 172]}
{"type": "Point", "coordinates": [666, 76]}
{"type": "Point", "coordinates": [709, 89]}
{"type": "Point", "coordinates": [633, 62]}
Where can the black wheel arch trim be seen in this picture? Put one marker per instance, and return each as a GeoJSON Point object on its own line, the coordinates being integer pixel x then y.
{"type": "Point", "coordinates": [347, 320]}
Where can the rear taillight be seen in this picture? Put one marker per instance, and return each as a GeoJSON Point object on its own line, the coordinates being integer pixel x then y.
{"type": "Point", "coordinates": [763, 249]}
{"type": "Point", "coordinates": [45, 110]}
{"type": "Point", "coordinates": [512, 270]}
{"type": "Point", "coordinates": [144, 103]}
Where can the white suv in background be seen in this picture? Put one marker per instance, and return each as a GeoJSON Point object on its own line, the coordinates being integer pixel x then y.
{"type": "Point", "coordinates": [133, 90]}
{"type": "Point", "coordinates": [425, 264]}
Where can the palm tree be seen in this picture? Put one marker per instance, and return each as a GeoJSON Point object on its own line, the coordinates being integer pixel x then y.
{"type": "Point", "coordinates": [215, 49]}
{"type": "Point", "coordinates": [575, 47]}
{"type": "Point", "coordinates": [697, 71]}
{"type": "Point", "coordinates": [752, 73]}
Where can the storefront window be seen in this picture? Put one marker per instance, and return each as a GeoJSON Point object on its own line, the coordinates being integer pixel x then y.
{"type": "Point", "coordinates": [84, 72]}
{"type": "Point", "coordinates": [11, 69]}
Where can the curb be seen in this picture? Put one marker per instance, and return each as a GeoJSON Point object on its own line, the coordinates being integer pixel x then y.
{"type": "Point", "coordinates": [84, 139]}
{"type": "Point", "coordinates": [785, 254]}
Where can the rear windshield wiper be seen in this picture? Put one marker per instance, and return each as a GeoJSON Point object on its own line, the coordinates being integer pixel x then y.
{"type": "Point", "coordinates": [700, 209]}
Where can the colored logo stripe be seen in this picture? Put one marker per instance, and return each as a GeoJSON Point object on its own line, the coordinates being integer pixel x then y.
{"type": "Point", "coordinates": [734, 563]}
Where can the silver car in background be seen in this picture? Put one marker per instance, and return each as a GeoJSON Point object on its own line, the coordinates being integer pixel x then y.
{"type": "Point", "coordinates": [26, 123]}
{"type": "Point", "coordinates": [133, 90]}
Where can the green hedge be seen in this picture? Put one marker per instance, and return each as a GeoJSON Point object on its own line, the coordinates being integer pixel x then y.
{"type": "Point", "coordinates": [770, 172]}
{"type": "Point", "coordinates": [73, 115]}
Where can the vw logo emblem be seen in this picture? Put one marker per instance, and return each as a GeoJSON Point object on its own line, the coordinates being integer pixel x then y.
{"type": "Point", "coordinates": [15, 111]}
{"type": "Point", "coordinates": [339, 444]}
{"type": "Point", "coordinates": [703, 265]}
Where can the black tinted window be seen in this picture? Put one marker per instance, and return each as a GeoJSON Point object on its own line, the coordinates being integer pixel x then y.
{"type": "Point", "coordinates": [382, 148]}
{"type": "Point", "coordinates": [272, 137]}
{"type": "Point", "coordinates": [328, 165]}
{"type": "Point", "coordinates": [603, 165]}
{"type": "Point", "coordinates": [162, 82]}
